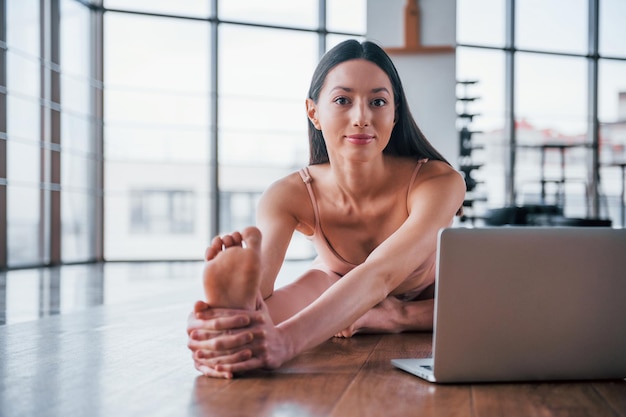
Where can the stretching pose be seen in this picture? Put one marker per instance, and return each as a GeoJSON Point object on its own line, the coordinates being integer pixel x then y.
{"type": "Point", "coordinates": [372, 200]}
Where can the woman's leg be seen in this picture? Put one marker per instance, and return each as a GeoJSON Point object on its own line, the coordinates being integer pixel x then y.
{"type": "Point", "coordinates": [232, 270]}
{"type": "Point", "coordinates": [294, 297]}
{"type": "Point", "coordinates": [232, 274]}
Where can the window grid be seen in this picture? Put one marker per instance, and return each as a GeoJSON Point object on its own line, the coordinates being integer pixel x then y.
{"type": "Point", "coordinates": [51, 112]}
{"type": "Point", "coordinates": [511, 51]}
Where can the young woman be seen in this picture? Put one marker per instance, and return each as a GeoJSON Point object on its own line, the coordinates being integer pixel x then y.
{"type": "Point", "coordinates": [372, 201]}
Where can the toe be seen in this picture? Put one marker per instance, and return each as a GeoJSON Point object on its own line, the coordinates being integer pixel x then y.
{"type": "Point", "coordinates": [252, 237]}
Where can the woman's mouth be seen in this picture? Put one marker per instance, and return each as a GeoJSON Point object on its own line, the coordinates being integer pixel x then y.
{"type": "Point", "coordinates": [360, 138]}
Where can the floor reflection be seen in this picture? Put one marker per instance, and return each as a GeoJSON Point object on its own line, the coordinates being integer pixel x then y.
{"type": "Point", "coordinates": [29, 294]}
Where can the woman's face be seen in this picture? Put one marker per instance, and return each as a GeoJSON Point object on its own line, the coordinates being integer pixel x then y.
{"type": "Point", "coordinates": [355, 110]}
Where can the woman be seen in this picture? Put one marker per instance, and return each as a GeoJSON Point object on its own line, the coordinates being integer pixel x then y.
{"type": "Point", "coordinates": [372, 200]}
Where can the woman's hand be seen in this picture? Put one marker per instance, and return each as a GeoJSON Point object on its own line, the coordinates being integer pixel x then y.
{"type": "Point", "coordinates": [383, 318]}
{"type": "Point", "coordinates": [227, 341]}
{"type": "Point", "coordinates": [218, 335]}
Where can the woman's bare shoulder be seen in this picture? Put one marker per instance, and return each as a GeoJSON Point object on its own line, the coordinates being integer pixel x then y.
{"type": "Point", "coordinates": [289, 185]}
{"type": "Point", "coordinates": [435, 176]}
{"type": "Point", "coordinates": [438, 170]}
{"type": "Point", "coordinates": [287, 196]}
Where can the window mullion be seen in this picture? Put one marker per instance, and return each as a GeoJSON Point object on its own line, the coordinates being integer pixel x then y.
{"type": "Point", "coordinates": [3, 139]}
{"type": "Point", "coordinates": [593, 129]}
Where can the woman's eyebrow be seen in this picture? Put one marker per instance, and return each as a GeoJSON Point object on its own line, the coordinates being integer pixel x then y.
{"type": "Point", "coordinates": [349, 89]}
{"type": "Point", "coordinates": [380, 89]}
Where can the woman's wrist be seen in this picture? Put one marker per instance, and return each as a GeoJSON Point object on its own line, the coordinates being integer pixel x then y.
{"type": "Point", "coordinates": [289, 347]}
{"type": "Point", "coordinates": [403, 318]}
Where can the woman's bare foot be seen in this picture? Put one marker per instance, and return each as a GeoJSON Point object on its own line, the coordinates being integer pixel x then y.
{"type": "Point", "coordinates": [232, 270]}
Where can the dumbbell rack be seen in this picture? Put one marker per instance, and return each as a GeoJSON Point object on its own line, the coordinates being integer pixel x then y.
{"type": "Point", "coordinates": [467, 161]}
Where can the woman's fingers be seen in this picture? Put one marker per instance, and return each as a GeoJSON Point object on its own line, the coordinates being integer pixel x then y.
{"type": "Point", "coordinates": [220, 323]}
{"type": "Point", "coordinates": [227, 341]}
{"type": "Point", "coordinates": [218, 342]}
{"type": "Point", "coordinates": [200, 306]}
{"type": "Point", "coordinates": [210, 372]}
{"type": "Point", "coordinates": [220, 318]}
{"type": "Point", "coordinates": [235, 368]}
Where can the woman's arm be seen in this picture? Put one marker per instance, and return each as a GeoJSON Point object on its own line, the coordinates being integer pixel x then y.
{"type": "Point", "coordinates": [432, 204]}
{"type": "Point", "coordinates": [394, 316]}
{"type": "Point", "coordinates": [279, 214]}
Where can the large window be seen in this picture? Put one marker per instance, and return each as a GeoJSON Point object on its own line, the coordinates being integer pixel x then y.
{"type": "Point", "coordinates": [204, 110]}
{"type": "Point", "coordinates": [79, 157]}
{"type": "Point", "coordinates": [552, 108]}
{"type": "Point", "coordinates": [139, 129]}
{"type": "Point", "coordinates": [50, 119]}
{"type": "Point", "coordinates": [23, 150]}
{"type": "Point", "coordinates": [156, 123]}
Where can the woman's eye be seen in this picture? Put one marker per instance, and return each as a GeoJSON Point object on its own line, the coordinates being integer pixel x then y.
{"type": "Point", "coordinates": [341, 100]}
{"type": "Point", "coordinates": [379, 102]}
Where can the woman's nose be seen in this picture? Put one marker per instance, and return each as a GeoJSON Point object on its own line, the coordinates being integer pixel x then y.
{"type": "Point", "coordinates": [361, 114]}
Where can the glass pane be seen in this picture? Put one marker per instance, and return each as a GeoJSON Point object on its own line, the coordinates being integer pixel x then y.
{"type": "Point", "coordinates": [263, 124]}
{"type": "Point", "coordinates": [75, 39]}
{"type": "Point", "coordinates": [481, 22]}
{"type": "Point", "coordinates": [551, 94]}
{"type": "Point", "coordinates": [613, 28]}
{"type": "Point", "coordinates": [23, 225]}
{"type": "Point", "coordinates": [156, 144]}
{"type": "Point", "coordinates": [301, 13]}
{"type": "Point", "coordinates": [486, 68]}
{"type": "Point", "coordinates": [551, 125]}
{"type": "Point", "coordinates": [156, 211]}
{"type": "Point", "coordinates": [22, 74]}
{"type": "Point", "coordinates": [76, 94]}
{"type": "Point", "coordinates": [346, 16]}
{"type": "Point", "coordinates": [174, 53]}
{"type": "Point", "coordinates": [197, 8]}
{"type": "Point", "coordinates": [77, 134]}
{"type": "Point", "coordinates": [23, 162]}
{"type": "Point", "coordinates": [22, 25]}
{"type": "Point", "coordinates": [612, 115]}
{"type": "Point", "coordinates": [78, 172]}
{"type": "Point", "coordinates": [77, 226]}
{"type": "Point", "coordinates": [156, 137]}
{"type": "Point", "coordinates": [612, 91]}
{"type": "Point", "coordinates": [282, 71]}
{"type": "Point", "coordinates": [156, 108]}
{"type": "Point", "coordinates": [554, 25]}
{"type": "Point", "coordinates": [22, 118]}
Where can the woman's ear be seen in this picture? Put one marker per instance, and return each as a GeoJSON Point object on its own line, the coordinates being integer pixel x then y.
{"type": "Point", "coordinates": [311, 112]}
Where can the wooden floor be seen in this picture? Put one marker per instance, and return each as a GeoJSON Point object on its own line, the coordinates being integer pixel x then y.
{"type": "Point", "coordinates": [130, 359]}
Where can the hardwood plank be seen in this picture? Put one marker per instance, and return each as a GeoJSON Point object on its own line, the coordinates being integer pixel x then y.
{"type": "Point", "coordinates": [309, 385]}
{"type": "Point", "coordinates": [570, 399]}
{"type": "Point", "coordinates": [614, 393]}
{"type": "Point", "coordinates": [132, 360]}
{"type": "Point", "coordinates": [382, 390]}
{"type": "Point", "coordinates": [116, 360]}
{"type": "Point", "coordinates": [271, 394]}
{"type": "Point", "coordinates": [337, 355]}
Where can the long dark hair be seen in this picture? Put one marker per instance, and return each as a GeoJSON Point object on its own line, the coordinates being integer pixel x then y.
{"type": "Point", "coordinates": [406, 137]}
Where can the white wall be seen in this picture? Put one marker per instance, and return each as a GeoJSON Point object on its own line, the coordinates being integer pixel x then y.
{"type": "Point", "coordinates": [429, 79]}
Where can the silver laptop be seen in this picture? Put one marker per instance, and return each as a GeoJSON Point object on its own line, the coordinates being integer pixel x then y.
{"type": "Point", "coordinates": [527, 304]}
